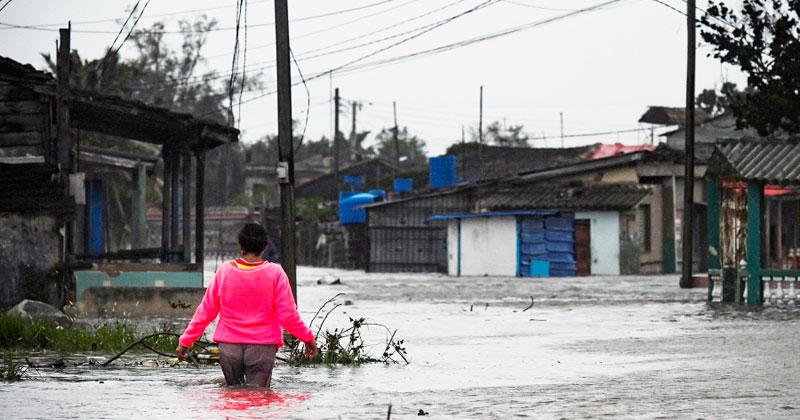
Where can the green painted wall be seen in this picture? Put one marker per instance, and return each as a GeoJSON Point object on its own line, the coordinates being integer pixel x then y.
{"type": "Point", "coordinates": [755, 214]}
{"type": "Point", "coordinates": [713, 224]}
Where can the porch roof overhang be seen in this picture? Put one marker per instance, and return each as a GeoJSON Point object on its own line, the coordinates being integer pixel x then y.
{"type": "Point", "coordinates": [769, 162]}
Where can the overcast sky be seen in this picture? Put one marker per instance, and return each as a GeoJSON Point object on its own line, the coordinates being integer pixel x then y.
{"type": "Point", "coordinates": [601, 69]}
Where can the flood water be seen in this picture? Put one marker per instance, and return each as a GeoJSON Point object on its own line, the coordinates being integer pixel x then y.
{"type": "Point", "coordinates": [633, 347]}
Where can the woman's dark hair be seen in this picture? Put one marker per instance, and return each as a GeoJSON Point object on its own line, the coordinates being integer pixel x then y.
{"type": "Point", "coordinates": [253, 238]}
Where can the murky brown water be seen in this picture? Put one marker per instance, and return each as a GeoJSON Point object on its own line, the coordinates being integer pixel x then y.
{"type": "Point", "coordinates": [593, 347]}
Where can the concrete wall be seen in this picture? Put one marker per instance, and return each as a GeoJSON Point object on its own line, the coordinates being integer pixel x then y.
{"type": "Point", "coordinates": [489, 246]}
{"type": "Point", "coordinates": [173, 302]}
{"type": "Point", "coordinates": [30, 247]}
{"type": "Point", "coordinates": [605, 231]}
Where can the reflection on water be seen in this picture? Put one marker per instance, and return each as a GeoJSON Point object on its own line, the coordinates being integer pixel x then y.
{"type": "Point", "coordinates": [590, 347]}
{"type": "Point", "coordinates": [225, 400]}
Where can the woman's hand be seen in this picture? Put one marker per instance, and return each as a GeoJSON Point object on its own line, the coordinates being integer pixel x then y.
{"type": "Point", "coordinates": [311, 350]}
{"type": "Point", "coordinates": [181, 352]}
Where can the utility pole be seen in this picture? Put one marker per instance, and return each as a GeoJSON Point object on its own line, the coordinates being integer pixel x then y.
{"type": "Point", "coordinates": [561, 117]}
{"type": "Point", "coordinates": [64, 156]}
{"type": "Point", "coordinates": [480, 134]}
{"type": "Point", "coordinates": [463, 154]}
{"type": "Point", "coordinates": [285, 144]}
{"type": "Point", "coordinates": [395, 134]}
{"type": "Point", "coordinates": [353, 134]}
{"type": "Point", "coordinates": [688, 172]}
{"type": "Point", "coordinates": [336, 137]}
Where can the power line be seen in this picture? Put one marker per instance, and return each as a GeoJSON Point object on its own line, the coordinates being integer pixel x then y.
{"type": "Point", "coordinates": [308, 100]}
{"type": "Point", "coordinates": [5, 5]}
{"type": "Point", "coordinates": [104, 63]}
{"type": "Point", "coordinates": [229, 28]}
{"type": "Point", "coordinates": [343, 69]}
{"type": "Point", "coordinates": [419, 31]}
{"type": "Point", "coordinates": [306, 56]}
{"type": "Point", "coordinates": [329, 28]}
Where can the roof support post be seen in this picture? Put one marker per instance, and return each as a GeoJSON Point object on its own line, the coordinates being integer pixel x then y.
{"type": "Point", "coordinates": [175, 202]}
{"type": "Point", "coordinates": [713, 224]}
{"type": "Point", "coordinates": [199, 208]}
{"type": "Point", "coordinates": [166, 202]}
{"type": "Point", "coordinates": [755, 214]}
{"type": "Point", "coordinates": [139, 222]}
{"type": "Point", "coordinates": [186, 202]}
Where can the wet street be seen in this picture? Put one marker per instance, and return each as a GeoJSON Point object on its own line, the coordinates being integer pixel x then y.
{"type": "Point", "coordinates": [633, 347]}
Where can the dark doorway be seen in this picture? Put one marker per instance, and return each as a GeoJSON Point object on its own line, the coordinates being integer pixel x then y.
{"type": "Point", "coordinates": [583, 249]}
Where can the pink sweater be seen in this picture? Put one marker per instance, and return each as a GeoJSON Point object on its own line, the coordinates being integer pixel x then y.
{"type": "Point", "coordinates": [253, 304]}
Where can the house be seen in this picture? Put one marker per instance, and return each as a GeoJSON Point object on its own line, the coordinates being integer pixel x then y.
{"type": "Point", "coordinates": [478, 162]}
{"type": "Point", "coordinates": [753, 231]}
{"type": "Point", "coordinates": [403, 235]}
{"type": "Point", "coordinates": [721, 128]}
{"type": "Point", "coordinates": [360, 176]}
{"type": "Point", "coordinates": [543, 231]}
{"type": "Point", "coordinates": [52, 211]}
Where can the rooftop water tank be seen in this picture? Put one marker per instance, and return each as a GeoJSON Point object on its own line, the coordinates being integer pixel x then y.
{"type": "Point", "coordinates": [349, 207]}
{"type": "Point", "coordinates": [443, 171]}
{"type": "Point", "coordinates": [402, 185]}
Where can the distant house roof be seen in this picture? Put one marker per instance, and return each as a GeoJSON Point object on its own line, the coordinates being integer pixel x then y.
{"type": "Point", "coordinates": [325, 186]}
{"type": "Point", "coordinates": [772, 162]}
{"type": "Point", "coordinates": [538, 213]}
{"type": "Point", "coordinates": [606, 150]}
{"type": "Point", "coordinates": [671, 116]}
{"type": "Point", "coordinates": [593, 197]}
{"type": "Point", "coordinates": [476, 163]}
{"type": "Point", "coordinates": [120, 117]}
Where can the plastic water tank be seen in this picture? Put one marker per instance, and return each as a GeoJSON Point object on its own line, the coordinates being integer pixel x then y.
{"type": "Point", "coordinates": [349, 211]}
{"type": "Point", "coordinates": [402, 185]}
{"type": "Point", "coordinates": [380, 195]}
{"type": "Point", "coordinates": [443, 171]}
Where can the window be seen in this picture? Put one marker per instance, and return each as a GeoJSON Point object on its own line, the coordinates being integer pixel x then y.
{"type": "Point", "coordinates": [644, 212]}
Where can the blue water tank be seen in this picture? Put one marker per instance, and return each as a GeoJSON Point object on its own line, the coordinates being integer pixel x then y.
{"type": "Point", "coordinates": [443, 171]}
{"type": "Point", "coordinates": [402, 185]}
{"type": "Point", "coordinates": [354, 180]}
{"type": "Point", "coordinates": [349, 211]}
{"type": "Point", "coordinates": [378, 194]}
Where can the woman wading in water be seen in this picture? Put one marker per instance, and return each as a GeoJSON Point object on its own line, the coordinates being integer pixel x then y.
{"type": "Point", "coordinates": [253, 300]}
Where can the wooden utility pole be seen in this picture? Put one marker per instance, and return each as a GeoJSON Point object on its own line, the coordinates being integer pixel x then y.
{"type": "Point", "coordinates": [463, 154]}
{"type": "Point", "coordinates": [336, 137]}
{"type": "Point", "coordinates": [480, 134]}
{"type": "Point", "coordinates": [394, 135]}
{"type": "Point", "coordinates": [354, 155]}
{"type": "Point", "coordinates": [285, 144]}
{"type": "Point", "coordinates": [688, 175]}
{"type": "Point", "coordinates": [63, 148]}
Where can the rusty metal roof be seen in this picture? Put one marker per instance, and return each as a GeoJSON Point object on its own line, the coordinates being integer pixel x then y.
{"type": "Point", "coordinates": [671, 116]}
{"type": "Point", "coordinates": [772, 162]}
{"type": "Point", "coordinates": [594, 197]}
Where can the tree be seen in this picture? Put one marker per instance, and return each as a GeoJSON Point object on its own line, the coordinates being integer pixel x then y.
{"type": "Point", "coordinates": [412, 148]}
{"type": "Point", "coordinates": [501, 135]}
{"type": "Point", "coordinates": [716, 103]}
{"type": "Point", "coordinates": [763, 40]}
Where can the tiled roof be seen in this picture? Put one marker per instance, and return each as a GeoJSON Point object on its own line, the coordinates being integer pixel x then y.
{"type": "Point", "coordinates": [595, 197]}
{"type": "Point", "coordinates": [773, 162]}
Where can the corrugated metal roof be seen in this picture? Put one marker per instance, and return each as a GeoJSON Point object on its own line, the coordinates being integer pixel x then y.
{"type": "Point", "coordinates": [595, 197]}
{"type": "Point", "coordinates": [494, 214]}
{"type": "Point", "coordinates": [773, 162]}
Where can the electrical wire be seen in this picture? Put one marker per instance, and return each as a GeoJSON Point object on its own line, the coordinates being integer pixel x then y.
{"type": "Point", "coordinates": [308, 100]}
{"type": "Point", "coordinates": [104, 63]}
{"type": "Point", "coordinates": [343, 69]}
{"type": "Point", "coordinates": [244, 68]}
{"type": "Point", "coordinates": [234, 63]}
{"type": "Point", "coordinates": [5, 5]}
{"type": "Point", "coordinates": [230, 28]}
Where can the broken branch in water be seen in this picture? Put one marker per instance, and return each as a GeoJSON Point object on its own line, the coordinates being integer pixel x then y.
{"type": "Point", "coordinates": [529, 306]}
